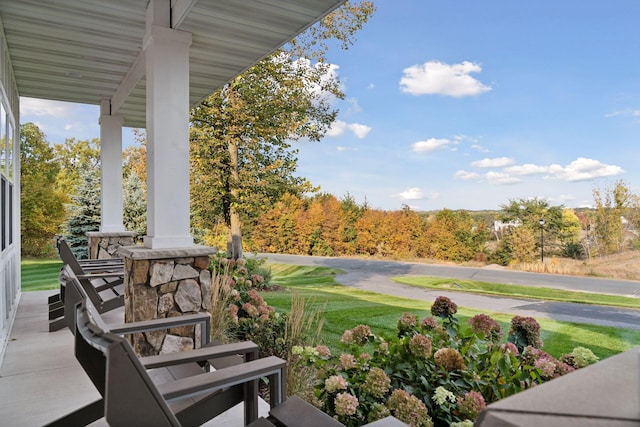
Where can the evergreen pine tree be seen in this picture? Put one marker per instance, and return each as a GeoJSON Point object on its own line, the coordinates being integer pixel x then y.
{"type": "Point", "coordinates": [84, 212]}
{"type": "Point", "coordinates": [135, 205]}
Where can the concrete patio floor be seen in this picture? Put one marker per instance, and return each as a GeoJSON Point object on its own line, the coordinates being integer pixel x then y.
{"type": "Point", "coordinates": [40, 379]}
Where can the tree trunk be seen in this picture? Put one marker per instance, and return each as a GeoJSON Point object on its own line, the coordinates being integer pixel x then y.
{"type": "Point", "coordinates": [234, 236]}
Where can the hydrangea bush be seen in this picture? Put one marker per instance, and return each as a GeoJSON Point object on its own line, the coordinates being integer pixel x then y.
{"type": "Point", "coordinates": [433, 372]}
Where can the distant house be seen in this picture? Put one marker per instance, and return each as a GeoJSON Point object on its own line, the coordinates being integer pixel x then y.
{"type": "Point", "coordinates": [501, 227]}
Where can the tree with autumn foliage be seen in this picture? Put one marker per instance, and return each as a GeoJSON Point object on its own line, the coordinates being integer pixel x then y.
{"type": "Point", "coordinates": [241, 156]}
{"type": "Point", "coordinates": [42, 207]}
{"type": "Point", "coordinates": [614, 205]}
{"type": "Point", "coordinates": [73, 156]}
{"type": "Point", "coordinates": [452, 235]}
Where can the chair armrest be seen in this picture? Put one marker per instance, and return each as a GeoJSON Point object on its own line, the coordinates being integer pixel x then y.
{"type": "Point", "coordinates": [100, 275]}
{"type": "Point", "coordinates": [157, 324]}
{"type": "Point", "coordinates": [272, 367]}
{"type": "Point", "coordinates": [101, 261]}
{"type": "Point", "coordinates": [200, 354]}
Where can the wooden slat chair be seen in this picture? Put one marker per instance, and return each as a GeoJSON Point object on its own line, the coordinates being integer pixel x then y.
{"type": "Point", "coordinates": [107, 280]}
{"type": "Point", "coordinates": [168, 370]}
{"type": "Point", "coordinates": [96, 265]}
{"type": "Point", "coordinates": [131, 397]}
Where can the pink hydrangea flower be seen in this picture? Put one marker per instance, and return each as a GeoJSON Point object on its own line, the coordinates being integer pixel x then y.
{"type": "Point", "coordinates": [347, 361]}
{"type": "Point", "coordinates": [323, 351]}
{"type": "Point", "coordinates": [471, 404]}
{"type": "Point", "coordinates": [420, 346]}
{"type": "Point", "coordinates": [376, 383]}
{"type": "Point", "coordinates": [346, 404]}
{"type": "Point", "coordinates": [335, 383]}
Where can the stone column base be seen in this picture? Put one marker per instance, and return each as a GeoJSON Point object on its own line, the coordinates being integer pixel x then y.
{"type": "Point", "coordinates": [163, 283]}
{"type": "Point", "coordinates": [105, 245]}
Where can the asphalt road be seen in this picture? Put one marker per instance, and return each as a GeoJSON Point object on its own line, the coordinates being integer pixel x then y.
{"type": "Point", "coordinates": [376, 276]}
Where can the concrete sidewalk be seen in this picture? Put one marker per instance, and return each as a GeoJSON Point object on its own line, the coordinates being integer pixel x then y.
{"type": "Point", "coordinates": [40, 379]}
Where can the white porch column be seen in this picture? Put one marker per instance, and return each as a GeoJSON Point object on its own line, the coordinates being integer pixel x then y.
{"type": "Point", "coordinates": [110, 169]}
{"type": "Point", "coordinates": [167, 62]}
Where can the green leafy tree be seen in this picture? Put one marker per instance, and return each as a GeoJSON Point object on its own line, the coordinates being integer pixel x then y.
{"type": "Point", "coordinates": [611, 204]}
{"type": "Point", "coordinates": [529, 212]}
{"type": "Point", "coordinates": [241, 156]}
{"type": "Point", "coordinates": [42, 208]}
{"type": "Point", "coordinates": [84, 211]}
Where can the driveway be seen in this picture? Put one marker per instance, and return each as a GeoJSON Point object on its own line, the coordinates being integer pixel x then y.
{"type": "Point", "coordinates": [375, 276]}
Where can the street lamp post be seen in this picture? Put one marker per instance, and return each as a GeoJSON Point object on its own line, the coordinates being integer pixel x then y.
{"type": "Point", "coordinates": [541, 240]}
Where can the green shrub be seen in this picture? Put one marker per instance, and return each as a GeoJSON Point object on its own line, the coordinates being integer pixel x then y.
{"type": "Point", "coordinates": [432, 372]}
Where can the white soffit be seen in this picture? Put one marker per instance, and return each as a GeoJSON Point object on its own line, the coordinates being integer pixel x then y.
{"type": "Point", "coordinates": [81, 51]}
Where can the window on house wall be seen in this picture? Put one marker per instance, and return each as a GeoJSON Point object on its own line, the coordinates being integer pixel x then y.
{"type": "Point", "coordinates": [3, 140]}
{"type": "Point", "coordinates": [10, 213]}
{"type": "Point", "coordinates": [10, 140]}
{"type": "Point", "coordinates": [4, 212]}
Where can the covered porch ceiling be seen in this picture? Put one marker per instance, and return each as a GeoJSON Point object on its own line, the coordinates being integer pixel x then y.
{"type": "Point", "coordinates": [89, 50]}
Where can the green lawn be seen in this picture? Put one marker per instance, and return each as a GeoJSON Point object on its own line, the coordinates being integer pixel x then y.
{"type": "Point", "coordinates": [518, 291]}
{"type": "Point", "coordinates": [40, 274]}
{"type": "Point", "coordinates": [345, 307]}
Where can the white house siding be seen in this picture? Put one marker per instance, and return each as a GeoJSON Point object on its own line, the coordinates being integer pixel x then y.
{"type": "Point", "coordinates": [9, 195]}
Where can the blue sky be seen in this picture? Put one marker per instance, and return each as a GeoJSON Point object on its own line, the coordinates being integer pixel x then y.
{"type": "Point", "coordinates": [467, 104]}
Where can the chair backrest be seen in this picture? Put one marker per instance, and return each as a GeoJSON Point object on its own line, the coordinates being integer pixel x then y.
{"type": "Point", "coordinates": [76, 290]}
{"type": "Point", "coordinates": [130, 396]}
{"type": "Point", "coordinates": [76, 293]}
{"type": "Point", "coordinates": [67, 256]}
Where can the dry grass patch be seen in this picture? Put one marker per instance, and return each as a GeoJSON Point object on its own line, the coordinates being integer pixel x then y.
{"type": "Point", "coordinates": [624, 266]}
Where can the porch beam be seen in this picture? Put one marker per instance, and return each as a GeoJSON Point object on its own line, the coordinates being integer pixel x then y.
{"type": "Point", "coordinates": [179, 11]}
{"type": "Point", "coordinates": [135, 73]}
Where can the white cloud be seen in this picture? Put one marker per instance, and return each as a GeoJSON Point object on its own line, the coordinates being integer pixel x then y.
{"type": "Point", "coordinates": [339, 128]}
{"type": "Point", "coordinates": [501, 178]}
{"type": "Point", "coordinates": [497, 162]}
{"type": "Point", "coordinates": [430, 145]}
{"type": "Point", "coordinates": [44, 107]}
{"type": "Point", "coordinates": [583, 169]}
{"type": "Point", "coordinates": [359, 130]}
{"type": "Point", "coordinates": [436, 77]}
{"type": "Point", "coordinates": [624, 113]}
{"type": "Point", "coordinates": [465, 175]}
{"type": "Point", "coordinates": [371, 86]}
{"type": "Point", "coordinates": [526, 169]}
{"type": "Point", "coordinates": [343, 148]}
{"type": "Point", "coordinates": [416, 193]}
{"type": "Point", "coordinates": [480, 148]}
{"type": "Point", "coordinates": [411, 194]}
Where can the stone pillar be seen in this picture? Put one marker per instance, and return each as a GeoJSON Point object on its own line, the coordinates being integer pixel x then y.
{"type": "Point", "coordinates": [167, 74]}
{"type": "Point", "coordinates": [111, 204]}
{"type": "Point", "coordinates": [104, 245]}
{"type": "Point", "coordinates": [163, 283]}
